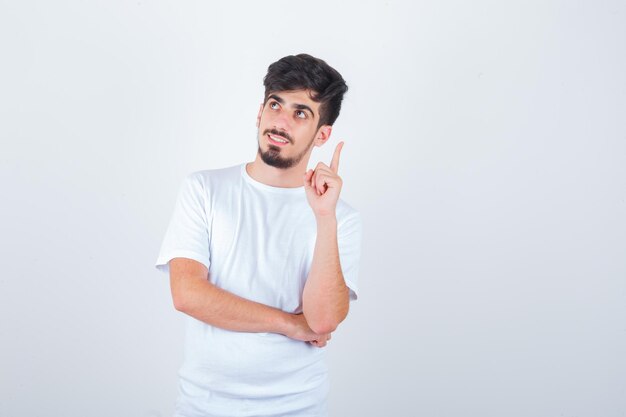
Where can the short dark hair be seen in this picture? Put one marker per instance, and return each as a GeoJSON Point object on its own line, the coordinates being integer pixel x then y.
{"type": "Point", "coordinates": [304, 72]}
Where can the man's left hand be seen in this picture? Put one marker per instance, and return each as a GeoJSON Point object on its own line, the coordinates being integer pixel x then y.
{"type": "Point", "coordinates": [323, 185]}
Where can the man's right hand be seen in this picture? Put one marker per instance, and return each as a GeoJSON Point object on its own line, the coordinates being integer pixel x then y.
{"type": "Point", "coordinates": [300, 330]}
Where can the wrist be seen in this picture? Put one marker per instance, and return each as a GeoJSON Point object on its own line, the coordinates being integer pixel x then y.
{"type": "Point", "coordinates": [285, 324]}
{"type": "Point", "coordinates": [329, 218]}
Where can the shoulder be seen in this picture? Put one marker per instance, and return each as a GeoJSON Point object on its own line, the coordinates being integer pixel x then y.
{"type": "Point", "coordinates": [207, 179]}
{"type": "Point", "coordinates": [347, 215]}
{"type": "Point", "coordinates": [230, 172]}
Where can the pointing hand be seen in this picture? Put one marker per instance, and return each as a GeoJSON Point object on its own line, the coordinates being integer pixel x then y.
{"type": "Point", "coordinates": [323, 185]}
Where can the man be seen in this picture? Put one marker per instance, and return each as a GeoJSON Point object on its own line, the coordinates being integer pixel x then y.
{"type": "Point", "coordinates": [263, 258]}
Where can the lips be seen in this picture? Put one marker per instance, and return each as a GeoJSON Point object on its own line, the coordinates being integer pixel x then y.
{"type": "Point", "coordinates": [276, 142]}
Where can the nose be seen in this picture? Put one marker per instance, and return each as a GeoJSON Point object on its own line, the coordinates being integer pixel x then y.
{"type": "Point", "coordinates": [281, 121]}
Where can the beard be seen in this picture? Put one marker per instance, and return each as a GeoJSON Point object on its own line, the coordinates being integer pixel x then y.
{"type": "Point", "coordinates": [272, 156]}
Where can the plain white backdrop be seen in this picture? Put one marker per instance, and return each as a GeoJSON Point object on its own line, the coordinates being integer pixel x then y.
{"type": "Point", "coordinates": [485, 146]}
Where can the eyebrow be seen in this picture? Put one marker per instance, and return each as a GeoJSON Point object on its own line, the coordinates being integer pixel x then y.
{"type": "Point", "coordinates": [296, 106]}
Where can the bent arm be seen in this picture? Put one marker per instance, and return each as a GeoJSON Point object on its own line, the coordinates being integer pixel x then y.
{"type": "Point", "coordinates": [194, 295]}
{"type": "Point", "coordinates": [326, 298]}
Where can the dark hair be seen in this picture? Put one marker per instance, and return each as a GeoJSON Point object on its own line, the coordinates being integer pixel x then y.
{"type": "Point", "coordinates": [304, 72]}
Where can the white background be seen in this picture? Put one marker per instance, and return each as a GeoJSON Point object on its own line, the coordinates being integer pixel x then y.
{"type": "Point", "coordinates": [485, 146]}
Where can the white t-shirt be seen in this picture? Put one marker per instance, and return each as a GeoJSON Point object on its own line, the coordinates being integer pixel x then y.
{"type": "Point", "coordinates": [257, 241]}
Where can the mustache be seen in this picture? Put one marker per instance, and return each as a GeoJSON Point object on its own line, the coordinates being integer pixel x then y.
{"type": "Point", "coordinates": [275, 132]}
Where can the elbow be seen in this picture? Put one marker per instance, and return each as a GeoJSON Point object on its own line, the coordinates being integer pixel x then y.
{"type": "Point", "coordinates": [324, 321]}
{"type": "Point", "coordinates": [180, 298]}
{"type": "Point", "coordinates": [186, 279]}
{"type": "Point", "coordinates": [324, 327]}
{"type": "Point", "coordinates": [320, 322]}
{"type": "Point", "coordinates": [179, 303]}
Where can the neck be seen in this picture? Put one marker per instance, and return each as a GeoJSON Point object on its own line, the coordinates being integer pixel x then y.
{"type": "Point", "coordinates": [276, 177]}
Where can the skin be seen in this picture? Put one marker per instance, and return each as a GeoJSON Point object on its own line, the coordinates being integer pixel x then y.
{"type": "Point", "coordinates": [294, 116]}
{"type": "Point", "coordinates": [297, 126]}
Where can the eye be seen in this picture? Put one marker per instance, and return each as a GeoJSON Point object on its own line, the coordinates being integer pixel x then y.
{"type": "Point", "coordinates": [273, 105]}
{"type": "Point", "coordinates": [301, 114]}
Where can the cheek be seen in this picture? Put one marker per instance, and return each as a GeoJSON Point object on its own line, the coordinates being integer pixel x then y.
{"type": "Point", "coordinates": [311, 132]}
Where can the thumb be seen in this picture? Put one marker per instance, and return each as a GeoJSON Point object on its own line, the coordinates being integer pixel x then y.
{"type": "Point", "coordinates": [307, 179]}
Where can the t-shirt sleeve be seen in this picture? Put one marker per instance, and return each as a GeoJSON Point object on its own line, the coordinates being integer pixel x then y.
{"type": "Point", "coordinates": [187, 234]}
{"type": "Point", "coordinates": [349, 234]}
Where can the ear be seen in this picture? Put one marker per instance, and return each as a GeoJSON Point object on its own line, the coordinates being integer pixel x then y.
{"type": "Point", "coordinates": [323, 134]}
{"type": "Point", "coordinates": [258, 117]}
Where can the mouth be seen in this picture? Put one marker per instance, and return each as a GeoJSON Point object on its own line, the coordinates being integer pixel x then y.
{"type": "Point", "coordinates": [277, 140]}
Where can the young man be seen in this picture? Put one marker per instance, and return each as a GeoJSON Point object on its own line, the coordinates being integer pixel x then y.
{"type": "Point", "coordinates": [263, 258]}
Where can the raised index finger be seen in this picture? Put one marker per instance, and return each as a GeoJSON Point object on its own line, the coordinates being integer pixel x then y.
{"type": "Point", "coordinates": [334, 164]}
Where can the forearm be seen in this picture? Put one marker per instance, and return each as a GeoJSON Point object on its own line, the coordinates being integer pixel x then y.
{"type": "Point", "coordinates": [220, 308]}
{"type": "Point", "coordinates": [325, 299]}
